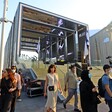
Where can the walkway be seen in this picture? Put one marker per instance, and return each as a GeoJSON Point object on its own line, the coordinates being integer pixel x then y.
{"type": "Point", "coordinates": [36, 104]}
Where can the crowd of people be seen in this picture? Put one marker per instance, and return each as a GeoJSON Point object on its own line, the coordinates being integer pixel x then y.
{"type": "Point", "coordinates": [11, 85]}
{"type": "Point", "coordinates": [10, 89]}
{"type": "Point", "coordinates": [89, 94]}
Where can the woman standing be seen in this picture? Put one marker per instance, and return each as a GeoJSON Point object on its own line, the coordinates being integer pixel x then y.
{"type": "Point", "coordinates": [88, 93]}
{"type": "Point", "coordinates": [51, 89]}
{"type": "Point", "coordinates": [8, 86]}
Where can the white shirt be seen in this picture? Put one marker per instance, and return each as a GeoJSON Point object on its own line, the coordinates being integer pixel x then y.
{"type": "Point", "coordinates": [18, 78]}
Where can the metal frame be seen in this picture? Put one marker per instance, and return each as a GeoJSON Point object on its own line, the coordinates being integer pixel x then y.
{"type": "Point", "coordinates": [45, 24]}
{"type": "Point", "coordinates": [53, 14]}
{"type": "Point", "coordinates": [42, 33]}
{"type": "Point", "coordinates": [29, 40]}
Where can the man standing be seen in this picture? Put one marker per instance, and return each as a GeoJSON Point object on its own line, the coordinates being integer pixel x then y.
{"type": "Point", "coordinates": [107, 84]}
{"type": "Point", "coordinates": [22, 82]}
{"type": "Point", "coordinates": [18, 90]}
{"type": "Point", "coordinates": [71, 82]}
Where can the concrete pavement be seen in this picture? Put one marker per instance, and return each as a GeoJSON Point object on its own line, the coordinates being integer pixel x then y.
{"type": "Point", "coordinates": [36, 104]}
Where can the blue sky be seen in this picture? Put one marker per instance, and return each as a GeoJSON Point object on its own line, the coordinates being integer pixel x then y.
{"type": "Point", "coordinates": [96, 13]}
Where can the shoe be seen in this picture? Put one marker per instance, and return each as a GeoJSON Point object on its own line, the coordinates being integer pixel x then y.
{"type": "Point", "coordinates": [19, 100]}
{"type": "Point", "coordinates": [77, 110]}
{"type": "Point", "coordinates": [64, 105]}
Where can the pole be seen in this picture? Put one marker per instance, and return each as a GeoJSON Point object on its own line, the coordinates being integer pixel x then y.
{"type": "Point", "coordinates": [2, 39]}
{"type": "Point", "coordinates": [89, 46]}
{"type": "Point", "coordinates": [39, 53]}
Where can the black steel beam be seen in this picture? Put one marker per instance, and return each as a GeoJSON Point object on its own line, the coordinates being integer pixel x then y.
{"type": "Point", "coordinates": [29, 37]}
{"type": "Point", "coordinates": [29, 49]}
{"type": "Point", "coordinates": [23, 47]}
{"type": "Point", "coordinates": [46, 24]}
{"type": "Point", "coordinates": [28, 46]}
{"type": "Point", "coordinates": [29, 42]}
{"type": "Point", "coordinates": [42, 33]}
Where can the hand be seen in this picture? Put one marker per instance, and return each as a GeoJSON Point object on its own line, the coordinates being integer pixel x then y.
{"type": "Point", "coordinates": [61, 91]}
{"type": "Point", "coordinates": [79, 78]}
{"type": "Point", "coordinates": [99, 96]}
{"type": "Point", "coordinates": [45, 94]}
{"type": "Point", "coordinates": [11, 90]}
{"type": "Point", "coordinates": [94, 90]}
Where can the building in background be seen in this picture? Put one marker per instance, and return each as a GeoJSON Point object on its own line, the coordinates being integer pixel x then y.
{"type": "Point", "coordinates": [101, 46]}
{"type": "Point", "coordinates": [50, 35]}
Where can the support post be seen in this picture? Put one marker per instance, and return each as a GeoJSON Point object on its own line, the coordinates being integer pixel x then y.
{"type": "Point", "coordinates": [57, 49]}
{"type": "Point", "coordinates": [65, 47]}
{"type": "Point", "coordinates": [39, 53]}
{"type": "Point", "coordinates": [50, 51]}
{"type": "Point", "coordinates": [75, 44]}
{"type": "Point", "coordinates": [2, 39]}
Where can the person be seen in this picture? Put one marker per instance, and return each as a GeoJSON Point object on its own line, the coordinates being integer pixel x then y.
{"type": "Point", "coordinates": [51, 87]}
{"type": "Point", "coordinates": [107, 85]}
{"type": "Point", "coordinates": [8, 86]}
{"type": "Point", "coordinates": [22, 82]}
{"type": "Point", "coordinates": [18, 88]}
{"type": "Point", "coordinates": [88, 93]}
{"type": "Point", "coordinates": [3, 75]}
{"type": "Point", "coordinates": [0, 90]}
{"type": "Point", "coordinates": [71, 81]}
{"type": "Point", "coordinates": [78, 69]}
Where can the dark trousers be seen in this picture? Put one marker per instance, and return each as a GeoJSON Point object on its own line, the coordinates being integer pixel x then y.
{"type": "Point", "coordinates": [0, 103]}
{"type": "Point", "coordinates": [13, 104]}
{"type": "Point", "coordinates": [6, 102]}
{"type": "Point", "coordinates": [89, 108]}
{"type": "Point", "coordinates": [72, 92]}
{"type": "Point", "coordinates": [109, 102]}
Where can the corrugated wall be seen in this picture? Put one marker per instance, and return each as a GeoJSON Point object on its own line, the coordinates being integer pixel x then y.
{"type": "Point", "coordinates": [101, 46]}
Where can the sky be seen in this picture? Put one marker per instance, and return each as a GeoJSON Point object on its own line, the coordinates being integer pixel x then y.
{"type": "Point", "coordinates": [96, 13]}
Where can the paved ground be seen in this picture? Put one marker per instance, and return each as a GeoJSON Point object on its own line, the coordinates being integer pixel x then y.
{"type": "Point", "coordinates": [36, 104]}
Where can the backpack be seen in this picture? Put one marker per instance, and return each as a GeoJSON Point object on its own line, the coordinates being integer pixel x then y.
{"type": "Point", "coordinates": [100, 88]}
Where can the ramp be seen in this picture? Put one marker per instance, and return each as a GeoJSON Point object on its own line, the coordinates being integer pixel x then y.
{"type": "Point", "coordinates": [30, 73]}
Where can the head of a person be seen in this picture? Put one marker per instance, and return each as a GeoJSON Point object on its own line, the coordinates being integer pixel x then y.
{"type": "Point", "coordinates": [73, 68]}
{"type": "Point", "coordinates": [90, 68]}
{"type": "Point", "coordinates": [85, 75]}
{"type": "Point", "coordinates": [20, 71]}
{"type": "Point", "coordinates": [4, 73]}
{"type": "Point", "coordinates": [106, 68]}
{"type": "Point", "coordinates": [52, 68]}
{"type": "Point", "coordinates": [13, 67]}
{"type": "Point", "coordinates": [8, 73]}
